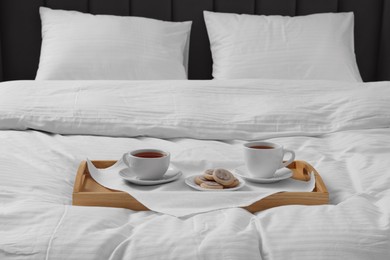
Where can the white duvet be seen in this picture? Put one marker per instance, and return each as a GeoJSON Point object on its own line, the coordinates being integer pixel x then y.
{"type": "Point", "coordinates": [47, 128]}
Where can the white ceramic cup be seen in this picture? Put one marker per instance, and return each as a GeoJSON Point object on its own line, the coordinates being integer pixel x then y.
{"type": "Point", "coordinates": [262, 159]}
{"type": "Point", "coordinates": [145, 163]}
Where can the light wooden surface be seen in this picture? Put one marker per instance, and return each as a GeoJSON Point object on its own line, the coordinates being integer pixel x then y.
{"type": "Point", "coordinates": [301, 171]}
{"type": "Point", "coordinates": [87, 192]}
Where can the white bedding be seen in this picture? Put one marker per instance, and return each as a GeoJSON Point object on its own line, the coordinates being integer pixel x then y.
{"type": "Point", "coordinates": [342, 129]}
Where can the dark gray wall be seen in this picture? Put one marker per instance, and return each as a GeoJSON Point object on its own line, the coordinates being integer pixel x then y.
{"type": "Point", "coordinates": [20, 36]}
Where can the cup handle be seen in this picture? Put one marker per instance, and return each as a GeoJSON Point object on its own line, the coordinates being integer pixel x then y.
{"type": "Point", "coordinates": [124, 159]}
{"type": "Point", "coordinates": [284, 164]}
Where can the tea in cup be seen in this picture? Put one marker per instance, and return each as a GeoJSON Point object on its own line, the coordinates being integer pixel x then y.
{"type": "Point", "coordinates": [263, 159]}
{"type": "Point", "coordinates": [147, 164]}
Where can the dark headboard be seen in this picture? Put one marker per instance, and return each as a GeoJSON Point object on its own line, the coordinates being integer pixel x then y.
{"type": "Point", "coordinates": [20, 36]}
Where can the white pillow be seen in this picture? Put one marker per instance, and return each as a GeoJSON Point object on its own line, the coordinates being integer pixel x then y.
{"type": "Point", "coordinates": [318, 46]}
{"type": "Point", "coordinates": [78, 46]}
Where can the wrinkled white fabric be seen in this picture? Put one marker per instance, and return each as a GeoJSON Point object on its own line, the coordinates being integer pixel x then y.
{"type": "Point", "coordinates": [37, 171]}
{"type": "Point", "coordinates": [161, 198]}
{"type": "Point", "coordinates": [306, 47]}
{"type": "Point", "coordinates": [82, 46]}
{"type": "Point", "coordinates": [217, 110]}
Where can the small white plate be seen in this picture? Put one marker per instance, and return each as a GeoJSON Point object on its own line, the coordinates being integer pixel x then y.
{"type": "Point", "coordinates": [190, 181]}
{"type": "Point", "coordinates": [280, 175]}
{"type": "Point", "coordinates": [172, 174]}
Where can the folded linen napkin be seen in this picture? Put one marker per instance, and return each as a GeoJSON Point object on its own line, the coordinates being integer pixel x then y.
{"type": "Point", "coordinates": [178, 199]}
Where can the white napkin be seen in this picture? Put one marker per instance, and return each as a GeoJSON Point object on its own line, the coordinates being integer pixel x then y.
{"type": "Point", "coordinates": [178, 199]}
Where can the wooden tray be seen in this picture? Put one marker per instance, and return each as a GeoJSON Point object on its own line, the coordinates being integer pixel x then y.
{"type": "Point", "coordinates": [87, 192]}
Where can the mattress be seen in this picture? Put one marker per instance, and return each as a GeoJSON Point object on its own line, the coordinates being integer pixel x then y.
{"type": "Point", "coordinates": [47, 128]}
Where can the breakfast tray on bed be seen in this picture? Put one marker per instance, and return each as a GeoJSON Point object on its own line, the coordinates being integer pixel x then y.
{"type": "Point", "coordinates": [87, 192]}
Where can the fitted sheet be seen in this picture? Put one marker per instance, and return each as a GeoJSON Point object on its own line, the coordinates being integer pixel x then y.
{"type": "Point", "coordinates": [37, 220]}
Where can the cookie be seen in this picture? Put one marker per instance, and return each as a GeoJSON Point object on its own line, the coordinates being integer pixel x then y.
{"type": "Point", "coordinates": [223, 177]}
{"type": "Point", "coordinates": [234, 184]}
{"type": "Point", "coordinates": [200, 179]}
{"type": "Point", "coordinates": [211, 185]}
{"type": "Point", "coordinates": [208, 174]}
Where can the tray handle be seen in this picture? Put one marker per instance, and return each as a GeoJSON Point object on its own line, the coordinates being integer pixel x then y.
{"type": "Point", "coordinates": [302, 169]}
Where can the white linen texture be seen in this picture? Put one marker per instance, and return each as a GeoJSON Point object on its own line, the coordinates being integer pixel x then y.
{"type": "Point", "coordinates": [311, 47]}
{"type": "Point", "coordinates": [79, 46]}
{"type": "Point", "coordinates": [48, 128]}
{"type": "Point", "coordinates": [216, 110]}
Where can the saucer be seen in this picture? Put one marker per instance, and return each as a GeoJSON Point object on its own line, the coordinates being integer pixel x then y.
{"type": "Point", "coordinates": [172, 174]}
{"type": "Point", "coordinates": [190, 181]}
{"type": "Point", "coordinates": [281, 174]}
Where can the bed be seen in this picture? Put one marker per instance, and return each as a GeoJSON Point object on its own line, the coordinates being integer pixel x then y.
{"type": "Point", "coordinates": [47, 127]}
